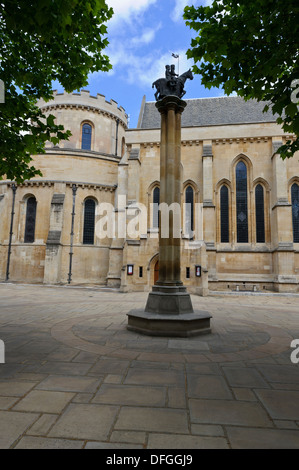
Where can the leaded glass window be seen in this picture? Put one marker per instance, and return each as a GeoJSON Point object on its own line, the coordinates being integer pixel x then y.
{"type": "Point", "coordinates": [189, 210]}
{"type": "Point", "coordinates": [89, 222]}
{"type": "Point", "coordinates": [224, 214]}
{"type": "Point", "coordinates": [86, 136]}
{"type": "Point", "coordinates": [259, 214]}
{"type": "Point", "coordinates": [156, 202]}
{"type": "Point", "coordinates": [295, 212]}
{"type": "Point", "coordinates": [30, 220]}
{"type": "Point", "coordinates": [241, 203]}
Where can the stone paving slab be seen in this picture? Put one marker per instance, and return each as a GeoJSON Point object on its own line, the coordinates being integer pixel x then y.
{"type": "Point", "coordinates": [129, 395]}
{"type": "Point", "coordinates": [254, 438]}
{"type": "Point", "coordinates": [7, 402]}
{"type": "Point", "coordinates": [244, 377]}
{"type": "Point", "coordinates": [186, 345]}
{"type": "Point", "coordinates": [44, 401]}
{"type": "Point", "coordinates": [177, 397]}
{"type": "Point", "coordinates": [244, 394]}
{"type": "Point", "coordinates": [68, 383]}
{"type": "Point", "coordinates": [64, 368]}
{"type": "Point", "coordinates": [43, 425]}
{"type": "Point", "coordinates": [207, 430]}
{"type": "Point", "coordinates": [28, 442]}
{"type": "Point", "coordinates": [13, 425]}
{"type": "Point", "coordinates": [131, 437]}
{"type": "Point", "coordinates": [15, 388]}
{"type": "Point", "coordinates": [280, 404]}
{"type": "Point", "coordinates": [155, 377]}
{"type": "Point", "coordinates": [75, 377]}
{"type": "Point", "coordinates": [111, 366]}
{"type": "Point", "coordinates": [152, 419]}
{"type": "Point", "coordinates": [114, 446]}
{"type": "Point", "coordinates": [166, 441]}
{"type": "Point", "coordinates": [210, 386]}
{"type": "Point", "coordinates": [281, 373]}
{"type": "Point", "coordinates": [228, 412]}
{"type": "Point", "coordinates": [85, 422]}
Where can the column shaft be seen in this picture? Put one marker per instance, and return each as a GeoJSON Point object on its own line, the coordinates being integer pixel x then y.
{"type": "Point", "coordinates": [170, 195]}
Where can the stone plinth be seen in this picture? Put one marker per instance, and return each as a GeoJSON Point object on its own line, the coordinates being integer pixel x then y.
{"type": "Point", "coordinates": [181, 326]}
{"type": "Point", "coordinates": [169, 310]}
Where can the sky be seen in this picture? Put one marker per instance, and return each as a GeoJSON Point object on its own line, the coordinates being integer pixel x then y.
{"type": "Point", "coordinates": [142, 36]}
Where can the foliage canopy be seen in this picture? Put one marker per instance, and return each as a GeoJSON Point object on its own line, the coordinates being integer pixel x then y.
{"type": "Point", "coordinates": [251, 48]}
{"type": "Point", "coordinates": [42, 41]}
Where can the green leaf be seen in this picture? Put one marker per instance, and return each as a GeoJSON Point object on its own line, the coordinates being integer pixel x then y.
{"type": "Point", "coordinates": [250, 48]}
{"type": "Point", "coordinates": [56, 40]}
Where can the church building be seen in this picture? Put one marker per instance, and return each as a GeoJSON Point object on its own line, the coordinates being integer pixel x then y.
{"type": "Point", "coordinates": [93, 218]}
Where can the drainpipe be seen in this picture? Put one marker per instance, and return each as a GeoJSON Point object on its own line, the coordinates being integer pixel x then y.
{"type": "Point", "coordinates": [74, 188]}
{"type": "Point", "coordinates": [116, 137]}
{"type": "Point", "coordinates": [14, 188]}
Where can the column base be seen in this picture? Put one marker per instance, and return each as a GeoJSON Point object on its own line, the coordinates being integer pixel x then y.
{"type": "Point", "coordinates": [169, 312]}
{"type": "Point", "coordinates": [173, 300]}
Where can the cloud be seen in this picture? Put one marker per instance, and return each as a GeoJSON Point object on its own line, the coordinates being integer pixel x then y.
{"type": "Point", "coordinates": [133, 61]}
{"type": "Point", "coordinates": [146, 37]}
{"type": "Point", "coordinates": [143, 71]}
{"type": "Point", "coordinates": [178, 11]}
{"type": "Point", "coordinates": [126, 9]}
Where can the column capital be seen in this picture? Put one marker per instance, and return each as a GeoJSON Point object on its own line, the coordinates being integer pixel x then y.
{"type": "Point", "coordinates": [171, 102]}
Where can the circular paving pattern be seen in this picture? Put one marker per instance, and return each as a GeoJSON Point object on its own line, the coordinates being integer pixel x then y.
{"type": "Point", "coordinates": [244, 341]}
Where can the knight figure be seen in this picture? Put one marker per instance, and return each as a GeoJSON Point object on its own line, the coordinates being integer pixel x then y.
{"type": "Point", "coordinates": [172, 84]}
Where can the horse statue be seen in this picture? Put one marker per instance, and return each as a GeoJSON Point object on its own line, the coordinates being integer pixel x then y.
{"type": "Point", "coordinates": [171, 85]}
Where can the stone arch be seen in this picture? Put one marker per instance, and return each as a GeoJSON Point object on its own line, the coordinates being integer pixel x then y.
{"type": "Point", "coordinates": [249, 165]}
{"type": "Point", "coordinates": [223, 181]}
{"type": "Point", "coordinates": [261, 181]}
{"type": "Point", "coordinates": [151, 268]}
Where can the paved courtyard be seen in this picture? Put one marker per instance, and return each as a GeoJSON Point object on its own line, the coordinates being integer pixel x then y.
{"type": "Point", "coordinates": [75, 377]}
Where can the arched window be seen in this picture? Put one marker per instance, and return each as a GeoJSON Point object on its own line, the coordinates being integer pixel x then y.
{"type": "Point", "coordinates": [86, 136]}
{"type": "Point", "coordinates": [259, 214]}
{"type": "Point", "coordinates": [241, 203]}
{"type": "Point", "coordinates": [224, 214]}
{"type": "Point", "coordinates": [295, 212]}
{"type": "Point", "coordinates": [189, 198]}
{"type": "Point", "coordinates": [156, 202]}
{"type": "Point", "coordinates": [30, 220]}
{"type": "Point", "coordinates": [89, 222]}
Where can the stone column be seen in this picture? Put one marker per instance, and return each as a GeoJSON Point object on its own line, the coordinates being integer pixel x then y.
{"type": "Point", "coordinates": [282, 236]}
{"type": "Point", "coordinates": [52, 272]}
{"type": "Point", "coordinates": [209, 228]}
{"type": "Point", "coordinates": [116, 253]}
{"type": "Point", "coordinates": [170, 190]}
{"type": "Point", "coordinates": [169, 310]}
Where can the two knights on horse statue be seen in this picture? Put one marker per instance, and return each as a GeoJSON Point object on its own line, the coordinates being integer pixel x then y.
{"type": "Point", "coordinates": [172, 84]}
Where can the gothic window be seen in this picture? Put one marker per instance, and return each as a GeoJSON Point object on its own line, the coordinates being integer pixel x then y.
{"type": "Point", "coordinates": [295, 212]}
{"type": "Point", "coordinates": [89, 222]}
{"type": "Point", "coordinates": [189, 198]}
{"type": "Point", "coordinates": [86, 136]}
{"type": "Point", "coordinates": [241, 203]}
{"type": "Point", "coordinates": [30, 220]}
{"type": "Point", "coordinates": [260, 214]}
{"type": "Point", "coordinates": [224, 214]}
{"type": "Point", "coordinates": [156, 202]}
